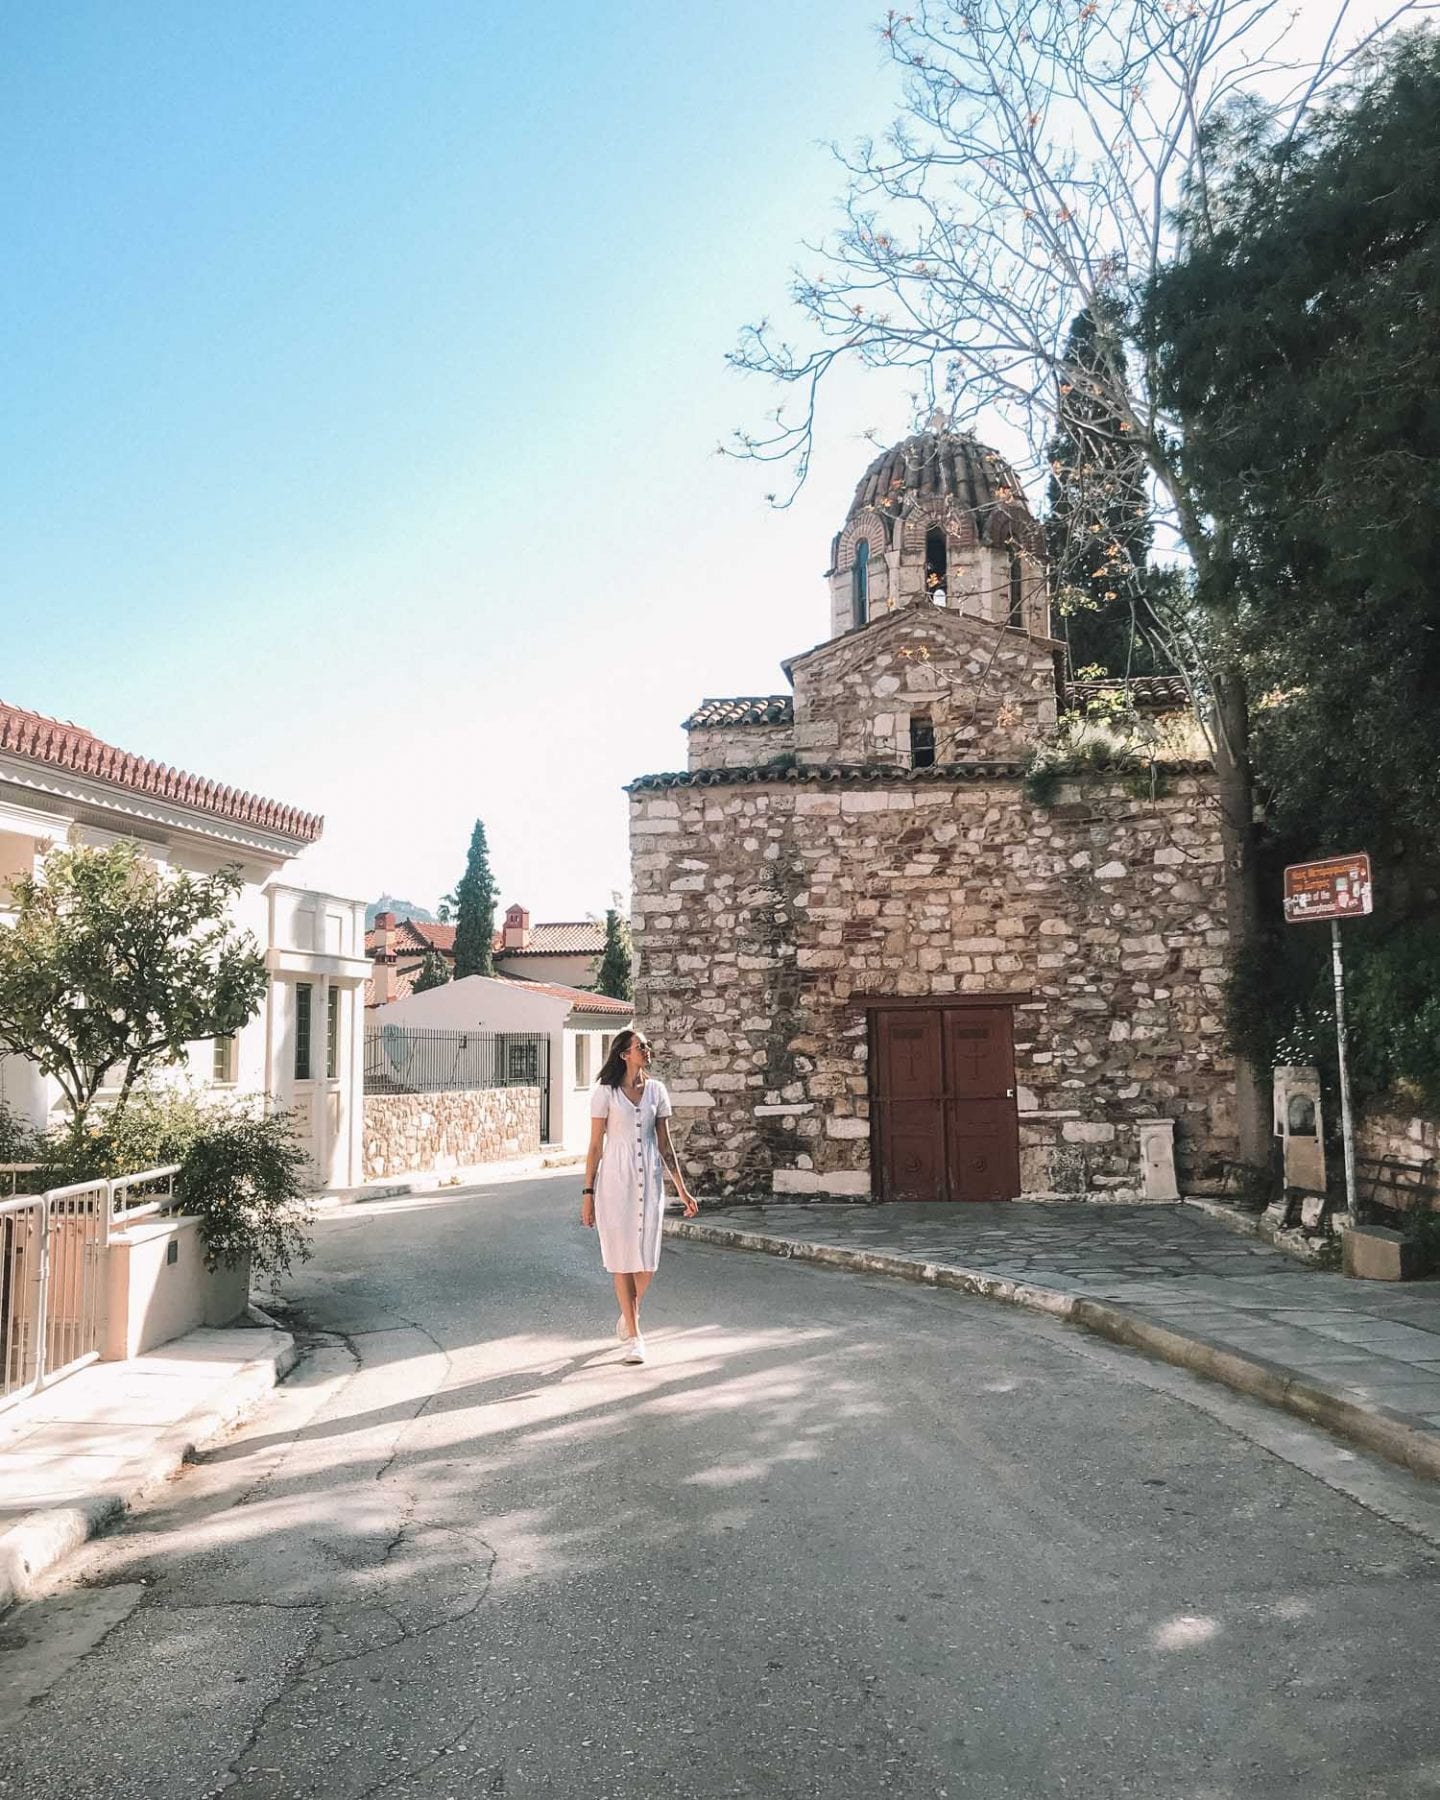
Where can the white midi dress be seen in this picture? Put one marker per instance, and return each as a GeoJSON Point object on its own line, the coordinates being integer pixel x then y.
{"type": "Point", "coordinates": [629, 1184]}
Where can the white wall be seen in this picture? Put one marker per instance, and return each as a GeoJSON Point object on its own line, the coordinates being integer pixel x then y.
{"type": "Point", "coordinates": [479, 1003]}
{"type": "Point", "coordinates": [568, 971]}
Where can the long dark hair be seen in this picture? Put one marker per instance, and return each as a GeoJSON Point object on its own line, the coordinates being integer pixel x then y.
{"type": "Point", "coordinates": [613, 1072]}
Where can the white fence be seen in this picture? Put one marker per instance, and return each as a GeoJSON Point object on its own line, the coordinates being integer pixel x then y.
{"type": "Point", "coordinates": [52, 1271]}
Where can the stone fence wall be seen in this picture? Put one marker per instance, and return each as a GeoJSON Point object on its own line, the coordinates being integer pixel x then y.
{"type": "Point", "coordinates": [407, 1134]}
{"type": "Point", "coordinates": [1397, 1160]}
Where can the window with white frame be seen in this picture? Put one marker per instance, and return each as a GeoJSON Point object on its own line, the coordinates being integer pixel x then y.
{"type": "Point", "coordinates": [222, 1067]}
{"type": "Point", "coordinates": [582, 1059]}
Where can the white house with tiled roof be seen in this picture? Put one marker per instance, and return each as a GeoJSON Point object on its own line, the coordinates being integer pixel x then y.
{"type": "Point", "coordinates": [567, 952]}
{"type": "Point", "coordinates": [577, 1025]}
{"type": "Point", "coordinates": [305, 1047]}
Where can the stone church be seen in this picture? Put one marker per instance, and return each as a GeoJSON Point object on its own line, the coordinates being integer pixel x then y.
{"type": "Point", "coordinates": [874, 958]}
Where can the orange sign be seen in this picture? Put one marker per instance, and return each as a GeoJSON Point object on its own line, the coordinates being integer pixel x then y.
{"type": "Point", "coordinates": [1338, 888]}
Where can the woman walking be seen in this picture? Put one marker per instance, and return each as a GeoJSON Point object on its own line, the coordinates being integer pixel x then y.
{"type": "Point", "coordinates": [624, 1181]}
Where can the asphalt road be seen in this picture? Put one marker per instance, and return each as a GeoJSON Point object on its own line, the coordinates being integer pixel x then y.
{"type": "Point", "coordinates": [840, 1537]}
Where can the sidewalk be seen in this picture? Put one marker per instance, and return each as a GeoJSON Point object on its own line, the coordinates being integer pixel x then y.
{"type": "Point", "coordinates": [87, 1448]}
{"type": "Point", "coordinates": [425, 1181]}
{"type": "Point", "coordinates": [1361, 1358]}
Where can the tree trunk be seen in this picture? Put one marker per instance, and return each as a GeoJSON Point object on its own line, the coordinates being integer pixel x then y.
{"type": "Point", "coordinates": [1243, 918]}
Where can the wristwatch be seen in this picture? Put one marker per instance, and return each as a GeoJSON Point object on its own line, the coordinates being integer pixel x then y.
{"type": "Point", "coordinates": [587, 1191]}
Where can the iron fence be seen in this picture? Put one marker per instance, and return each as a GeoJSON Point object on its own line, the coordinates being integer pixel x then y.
{"type": "Point", "coordinates": [399, 1060]}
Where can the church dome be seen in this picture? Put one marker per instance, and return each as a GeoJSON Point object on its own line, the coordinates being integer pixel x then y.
{"type": "Point", "coordinates": [941, 469]}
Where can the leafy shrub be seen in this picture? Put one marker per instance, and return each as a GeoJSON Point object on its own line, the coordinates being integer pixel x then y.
{"type": "Point", "coordinates": [242, 1173]}
{"type": "Point", "coordinates": [156, 1126]}
{"type": "Point", "coordinates": [243, 1176]}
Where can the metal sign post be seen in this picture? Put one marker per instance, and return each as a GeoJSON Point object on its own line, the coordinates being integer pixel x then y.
{"type": "Point", "coordinates": [1338, 888]}
{"type": "Point", "coordinates": [1346, 1126]}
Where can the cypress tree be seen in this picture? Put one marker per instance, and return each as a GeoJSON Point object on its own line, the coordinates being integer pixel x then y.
{"type": "Point", "coordinates": [615, 978]}
{"type": "Point", "coordinates": [1098, 526]}
{"type": "Point", "coordinates": [475, 911]}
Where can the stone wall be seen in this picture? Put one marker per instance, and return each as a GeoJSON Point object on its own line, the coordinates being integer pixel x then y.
{"type": "Point", "coordinates": [763, 908]}
{"type": "Point", "coordinates": [738, 746]}
{"type": "Point", "coordinates": [1397, 1160]}
{"type": "Point", "coordinates": [407, 1134]}
{"type": "Point", "coordinates": [987, 690]}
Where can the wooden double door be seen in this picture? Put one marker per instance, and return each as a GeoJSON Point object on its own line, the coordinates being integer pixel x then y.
{"type": "Point", "coordinates": [942, 1098]}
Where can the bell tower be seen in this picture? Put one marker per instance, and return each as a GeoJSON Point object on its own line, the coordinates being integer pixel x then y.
{"type": "Point", "coordinates": [939, 520]}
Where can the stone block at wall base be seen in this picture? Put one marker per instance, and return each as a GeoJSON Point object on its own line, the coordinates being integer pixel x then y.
{"type": "Point", "coordinates": [1375, 1253]}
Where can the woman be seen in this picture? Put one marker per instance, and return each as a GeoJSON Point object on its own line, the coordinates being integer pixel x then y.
{"type": "Point", "coordinates": [624, 1184]}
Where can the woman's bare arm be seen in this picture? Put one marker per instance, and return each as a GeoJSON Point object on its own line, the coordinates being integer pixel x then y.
{"type": "Point", "coordinates": [592, 1163]}
{"type": "Point", "coordinates": [671, 1161]}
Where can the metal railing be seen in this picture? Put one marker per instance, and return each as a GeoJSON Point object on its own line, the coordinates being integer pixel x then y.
{"type": "Point", "coordinates": [401, 1061]}
{"type": "Point", "coordinates": [144, 1196]}
{"type": "Point", "coordinates": [52, 1272]}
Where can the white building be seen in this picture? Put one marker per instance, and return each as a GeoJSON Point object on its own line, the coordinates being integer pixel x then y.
{"type": "Point", "coordinates": [305, 1047]}
{"type": "Point", "coordinates": [578, 1027]}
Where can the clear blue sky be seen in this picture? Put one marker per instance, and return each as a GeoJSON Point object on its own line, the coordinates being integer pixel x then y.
{"type": "Point", "coordinates": [363, 371]}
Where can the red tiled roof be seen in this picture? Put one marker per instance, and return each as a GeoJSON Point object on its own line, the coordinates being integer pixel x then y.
{"type": "Point", "coordinates": [62, 746]}
{"type": "Point", "coordinates": [746, 709]}
{"type": "Point", "coordinates": [413, 937]}
{"type": "Point", "coordinates": [580, 937]}
{"type": "Point", "coordinates": [580, 998]}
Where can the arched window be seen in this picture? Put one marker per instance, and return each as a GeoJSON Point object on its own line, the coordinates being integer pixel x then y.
{"type": "Point", "coordinates": [860, 582]}
{"type": "Point", "coordinates": [1016, 620]}
{"type": "Point", "coordinates": [922, 741]}
{"type": "Point", "coordinates": [936, 565]}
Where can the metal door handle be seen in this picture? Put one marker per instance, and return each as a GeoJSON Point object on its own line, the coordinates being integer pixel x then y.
{"type": "Point", "coordinates": [1009, 1093]}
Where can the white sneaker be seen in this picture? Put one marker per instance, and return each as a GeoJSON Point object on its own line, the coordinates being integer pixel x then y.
{"type": "Point", "coordinates": [635, 1351]}
{"type": "Point", "coordinates": [620, 1331]}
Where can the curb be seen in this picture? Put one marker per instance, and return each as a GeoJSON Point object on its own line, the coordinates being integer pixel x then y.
{"type": "Point", "coordinates": [1395, 1436]}
{"type": "Point", "coordinates": [39, 1540]}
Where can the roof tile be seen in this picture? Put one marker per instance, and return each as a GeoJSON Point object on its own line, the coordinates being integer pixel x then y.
{"type": "Point", "coordinates": [62, 746]}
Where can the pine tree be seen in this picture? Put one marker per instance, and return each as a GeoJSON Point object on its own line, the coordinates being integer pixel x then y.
{"type": "Point", "coordinates": [475, 911]}
{"type": "Point", "coordinates": [434, 973]}
{"type": "Point", "coordinates": [1098, 527]}
{"type": "Point", "coordinates": [614, 978]}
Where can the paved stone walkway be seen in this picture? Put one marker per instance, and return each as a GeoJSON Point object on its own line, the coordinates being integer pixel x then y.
{"type": "Point", "coordinates": [1375, 1345]}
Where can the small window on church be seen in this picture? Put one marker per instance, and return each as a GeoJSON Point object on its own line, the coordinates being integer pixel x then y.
{"type": "Point", "coordinates": [1016, 621]}
{"type": "Point", "coordinates": [860, 582]}
{"type": "Point", "coordinates": [922, 741]}
{"type": "Point", "coordinates": [936, 565]}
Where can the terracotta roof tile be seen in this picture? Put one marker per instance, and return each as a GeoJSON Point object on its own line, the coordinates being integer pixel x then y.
{"type": "Point", "coordinates": [62, 746]}
{"type": "Point", "coordinates": [578, 937]}
{"type": "Point", "coordinates": [1157, 693]}
{"type": "Point", "coordinates": [748, 709]}
{"type": "Point", "coordinates": [865, 775]}
{"type": "Point", "coordinates": [580, 998]}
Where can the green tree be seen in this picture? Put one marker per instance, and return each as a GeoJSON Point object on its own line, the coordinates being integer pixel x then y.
{"type": "Point", "coordinates": [475, 911]}
{"type": "Point", "coordinates": [1098, 525]}
{"type": "Point", "coordinates": [1295, 335]}
{"type": "Point", "coordinates": [434, 973]}
{"type": "Point", "coordinates": [110, 966]}
{"type": "Point", "coordinates": [615, 976]}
